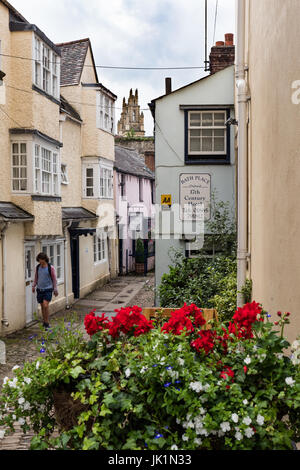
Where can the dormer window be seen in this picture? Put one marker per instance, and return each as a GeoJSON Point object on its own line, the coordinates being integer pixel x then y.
{"type": "Point", "coordinates": [46, 68]}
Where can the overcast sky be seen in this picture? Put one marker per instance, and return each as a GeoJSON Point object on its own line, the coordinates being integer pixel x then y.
{"type": "Point", "coordinates": [136, 33]}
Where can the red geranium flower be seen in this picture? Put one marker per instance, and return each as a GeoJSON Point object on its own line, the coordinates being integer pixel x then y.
{"type": "Point", "coordinates": [94, 324]}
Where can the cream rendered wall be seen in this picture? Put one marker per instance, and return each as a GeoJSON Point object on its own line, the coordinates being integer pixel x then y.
{"type": "Point", "coordinates": [15, 276]}
{"type": "Point", "coordinates": [71, 156]}
{"type": "Point", "coordinates": [274, 159]}
{"type": "Point", "coordinates": [5, 62]}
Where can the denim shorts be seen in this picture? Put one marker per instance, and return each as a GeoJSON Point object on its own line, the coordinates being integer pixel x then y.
{"type": "Point", "coordinates": [44, 295]}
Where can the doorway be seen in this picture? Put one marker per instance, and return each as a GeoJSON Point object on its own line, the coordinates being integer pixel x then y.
{"type": "Point", "coordinates": [31, 303]}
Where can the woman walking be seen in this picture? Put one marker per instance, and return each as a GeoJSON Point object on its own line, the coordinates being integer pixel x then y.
{"type": "Point", "coordinates": [46, 283]}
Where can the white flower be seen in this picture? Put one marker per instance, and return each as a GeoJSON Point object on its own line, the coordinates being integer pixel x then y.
{"type": "Point", "coordinates": [174, 447]}
{"type": "Point", "coordinates": [260, 420]}
{"type": "Point", "coordinates": [178, 421]}
{"type": "Point", "coordinates": [295, 345]}
{"type": "Point", "coordinates": [5, 380]}
{"type": "Point", "coordinates": [185, 438]}
{"type": "Point", "coordinates": [2, 434]}
{"type": "Point", "coordinates": [196, 386]}
{"type": "Point", "coordinates": [249, 432]}
{"type": "Point", "coordinates": [289, 381]}
{"type": "Point", "coordinates": [190, 424]}
{"type": "Point", "coordinates": [173, 373]}
{"type": "Point", "coordinates": [21, 400]}
{"type": "Point", "coordinates": [13, 383]}
{"type": "Point", "coordinates": [234, 417]}
{"type": "Point", "coordinates": [279, 355]}
{"type": "Point", "coordinates": [27, 380]}
{"type": "Point", "coordinates": [26, 406]}
{"type": "Point", "coordinates": [180, 361]}
{"type": "Point", "coordinates": [262, 357]}
{"type": "Point", "coordinates": [143, 370]}
{"type": "Point", "coordinates": [202, 411]}
{"type": "Point", "coordinates": [245, 402]}
{"type": "Point", "coordinates": [225, 426]}
{"type": "Point", "coordinates": [37, 365]}
{"type": "Point", "coordinates": [179, 349]}
{"type": "Point", "coordinates": [21, 421]}
{"type": "Point", "coordinates": [247, 420]}
{"type": "Point", "coordinates": [198, 441]}
{"type": "Point", "coordinates": [206, 387]}
{"type": "Point", "coordinates": [238, 436]}
{"type": "Point", "coordinates": [247, 360]}
{"type": "Point", "coordinates": [16, 367]}
{"type": "Point", "coordinates": [127, 372]}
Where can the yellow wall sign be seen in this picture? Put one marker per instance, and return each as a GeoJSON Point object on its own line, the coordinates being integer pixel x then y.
{"type": "Point", "coordinates": [166, 200]}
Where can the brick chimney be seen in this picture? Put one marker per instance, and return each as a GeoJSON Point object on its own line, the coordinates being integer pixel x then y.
{"type": "Point", "coordinates": [222, 54]}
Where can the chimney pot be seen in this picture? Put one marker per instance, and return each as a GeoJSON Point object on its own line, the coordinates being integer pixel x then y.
{"type": "Point", "coordinates": [229, 39]}
{"type": "Point", "coordinates": [168, 85]}
{"type": "Point", "coordinates": [220, 43]}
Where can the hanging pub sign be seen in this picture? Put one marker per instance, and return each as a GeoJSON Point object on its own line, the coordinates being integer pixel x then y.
{"type": "Point", "coordinates": [195, 190]}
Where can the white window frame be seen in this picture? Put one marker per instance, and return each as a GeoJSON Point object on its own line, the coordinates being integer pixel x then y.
{"type": "Point", "coordinates": [208, 128]}
{"type": "Point", "coordinates": [47, 174]}
{"type": "Point", "coordinates": [100, 247]}
{"type": "Point", "coordinates": [55, 250]}
{"type": "Point", "coordinates": [46, 68]}
{"type": "Point", "coordinates": [106, 182]}
{"type": "Point", "coordinates": [19, 166]}
{"type": "Point", "coordinates": [103, 180]}
{"type": "Point", "coordinates": [105, 112]}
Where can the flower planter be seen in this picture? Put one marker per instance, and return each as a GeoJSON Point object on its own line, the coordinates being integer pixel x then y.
{"type": "Point", "coordinates": [154, 313]}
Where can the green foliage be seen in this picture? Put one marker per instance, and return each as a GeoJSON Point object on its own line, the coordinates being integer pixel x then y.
{"type": "Point", "coordinates": [154, 392]}
{"type": "Point", "coordinates": [207, 282]}
{"type": "Point", "coordinates": [247, 291]}
{"type": "Point", "coordinates": [139, 252]}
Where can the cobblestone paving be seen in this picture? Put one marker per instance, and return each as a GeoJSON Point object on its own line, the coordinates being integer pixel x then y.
{"type": "Point", "coordinates": [22, 347]}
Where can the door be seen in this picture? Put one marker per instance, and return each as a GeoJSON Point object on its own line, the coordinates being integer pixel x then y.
{"type": "Point", "coordinates": [75, 266]}
{"type": "Point", "coordinates": [31, 303]}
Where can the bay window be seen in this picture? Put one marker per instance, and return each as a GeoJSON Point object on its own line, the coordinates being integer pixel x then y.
{"type": "Point", "coordinates": [97, 181]}
{"type": "Point", "coordinates": [46, 68]}
{"type": "Point", "coordinates": [46, 171]}
{"type": "Point", "coordinates": [35, 168]}
{"type": "Point", "coordinates": [19, 166]}
{"type": "Point", "coordinates": [105, 112]}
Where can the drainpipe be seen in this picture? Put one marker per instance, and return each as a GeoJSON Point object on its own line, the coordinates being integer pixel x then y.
{"type": "Point", "coordinates": [66, 270]}
{"type": "Point", "coordinates": [242, 99]}
{"type": "Point", "coordinates": [4, 320]}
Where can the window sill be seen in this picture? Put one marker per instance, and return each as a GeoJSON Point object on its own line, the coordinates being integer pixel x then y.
{"type": "Point", "coordinates": [206, 160]}
{"type": "Point", "coordinates": [98, 263]}
{"type": "Point", "coordinates": [41, 197]}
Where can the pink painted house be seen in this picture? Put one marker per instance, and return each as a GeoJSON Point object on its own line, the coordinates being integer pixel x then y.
{"type": "Point", "coordinates": [134, 202]}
